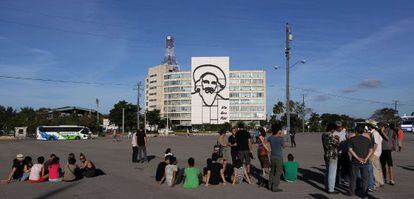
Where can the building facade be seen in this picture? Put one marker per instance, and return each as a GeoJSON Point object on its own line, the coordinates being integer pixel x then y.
{"type": "Point", "coordinates": [154, 86]}
{"type": "Point", "coordinates": [170, 90]}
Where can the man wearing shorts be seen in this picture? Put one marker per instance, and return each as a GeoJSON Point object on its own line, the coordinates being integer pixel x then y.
{"type": "Point", "coordinates": [244, 143]}
{"type": "Point", "coordinates": [389, 136]}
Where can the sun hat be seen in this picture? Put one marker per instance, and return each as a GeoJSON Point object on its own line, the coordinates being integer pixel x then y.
{"type": "Point", "coordinates": [372, 122]}
{"type": "Point", "coordinates": [338, 123]}
{"type": "Point", "coordinates": [20, 156]}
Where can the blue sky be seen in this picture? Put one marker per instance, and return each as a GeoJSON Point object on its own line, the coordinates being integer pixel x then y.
{"type": "Point", "coordinates": [354, 49]}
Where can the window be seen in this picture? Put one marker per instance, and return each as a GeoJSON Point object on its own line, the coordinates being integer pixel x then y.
{"type": "Point", "coordinates": [153, 75]}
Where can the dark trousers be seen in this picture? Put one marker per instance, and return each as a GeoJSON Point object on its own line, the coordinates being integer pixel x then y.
{"type": "Point", "coordinates": [292, 141]}
{"type": "Point", "coordinates": [142, 152]}
{"type": "Point", "coordinates": [134, 154]}
{"type": "Point", "coordinates": [233, 156]}
{"type": "Point", "coordinates": [356, 168]}
{"type": "Point", "coordinates": [276, 168]}
{"type": "Point", "coordinates": [343, 169]}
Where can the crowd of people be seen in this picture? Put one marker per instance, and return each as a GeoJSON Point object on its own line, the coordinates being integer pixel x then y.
{"type": "Point", "coordinates": [238, 148]}
{"type": "Point", "coordinates": [361, 159]}
{"type": "Point", "coordinates": [23, 169]}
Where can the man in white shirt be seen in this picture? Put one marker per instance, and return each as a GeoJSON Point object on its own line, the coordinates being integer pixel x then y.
{"type": "Point", "coordinates": [343, 158]}
{"type": "Point", "coordinates": [374, 159]}
{"type": "Point", "coordinates": [134, 147]}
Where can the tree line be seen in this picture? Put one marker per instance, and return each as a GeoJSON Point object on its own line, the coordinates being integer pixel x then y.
{"type": "Point", "coordinates": [314, 122]}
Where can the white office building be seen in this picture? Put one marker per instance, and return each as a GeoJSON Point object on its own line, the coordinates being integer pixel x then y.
{"type": "Point", "coordinates": [170, 90]}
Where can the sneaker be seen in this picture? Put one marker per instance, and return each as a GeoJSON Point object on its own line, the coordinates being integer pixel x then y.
{"type": "Point", "coordinates": [392, 182]}
{"type": "Point", "coordinates": [371, 190]}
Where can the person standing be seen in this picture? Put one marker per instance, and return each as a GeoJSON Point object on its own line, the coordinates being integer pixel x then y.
{"type": "Point", "coordinates": [134, 147]}
{"type": "Point", "coordinates": [330, 147]}
{"type": "Point", "coordinates": [223, 149]}
{"type": "Point", "coordinates": [374, 159]}
{"type": "Point", "coordinates": [360, 148]}
{"type": "Point", "coordinates": [389, 136]}
{"type": "Point", "coordinates": [400, 138]}
{"type": "Point", "coordinates": [343, 157]}
{"type": "Point", "coordinates": [233, 145]}
{"type": "Point", "coordinates": [263, 151]}
{"type": "Point", "coordinates": [141, 142]}
{"type": "Point", "coordinates": [292, 138]}
{"type": "Point", "coordinates": [244, 143]}
{"type": "Point", "coordinates": [277, 144]}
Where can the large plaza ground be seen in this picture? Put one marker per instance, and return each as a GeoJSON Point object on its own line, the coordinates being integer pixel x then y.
{"type": "Point", "coordinates": [124, 179]}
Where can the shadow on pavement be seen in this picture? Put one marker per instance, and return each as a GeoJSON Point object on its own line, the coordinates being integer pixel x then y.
{"type": "Point", "coordinates": [409, 168]}
{"type": "Point", "coordinates": [312, 178]}
{"type": "Point", "coordinates": [257, 173]}
{"type": "Point", "coordinates": [51, 194]}
{"type": "Point", "coordinates": [150, 157]}
{"type": "Point", "coordinates": [318, 196]}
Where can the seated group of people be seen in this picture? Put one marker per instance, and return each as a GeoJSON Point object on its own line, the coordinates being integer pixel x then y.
{"type": "Point", "coordinates": [213, 174]}
{"type": "Point", "coordinates": [50, 170]}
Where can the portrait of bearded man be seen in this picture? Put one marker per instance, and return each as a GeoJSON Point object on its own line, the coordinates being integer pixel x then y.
{"type": "Point", "coordinates": [209, 81]}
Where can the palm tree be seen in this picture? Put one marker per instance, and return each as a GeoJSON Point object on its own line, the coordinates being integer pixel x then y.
{"type": "Point", "coordinates": [278, 108]}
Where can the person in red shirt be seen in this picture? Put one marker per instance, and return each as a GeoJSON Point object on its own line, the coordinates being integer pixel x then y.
{"type": "Point", "coordinates": [400, 135]}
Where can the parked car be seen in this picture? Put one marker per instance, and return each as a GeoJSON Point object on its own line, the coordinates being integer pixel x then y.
{"type": "Point", "coordinates": [165, 131]}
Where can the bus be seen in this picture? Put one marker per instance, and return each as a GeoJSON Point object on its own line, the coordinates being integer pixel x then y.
{"type": "Point", "coordinates": [63, 132]}
{"type": "Point", "coordinates": [407, 124]}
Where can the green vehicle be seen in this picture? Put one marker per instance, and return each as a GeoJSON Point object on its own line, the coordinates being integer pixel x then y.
{"type": "Point", "coordinates": [63, 133]}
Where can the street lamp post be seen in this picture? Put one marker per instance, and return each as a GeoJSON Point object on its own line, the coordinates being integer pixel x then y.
{"type": "Point", "coordinates": [287, 54]}
{"type": "Point", "coordinates": [289, 38]}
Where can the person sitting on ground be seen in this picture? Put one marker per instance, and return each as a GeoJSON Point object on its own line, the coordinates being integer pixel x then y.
{"type": "Point", "coordinates": [87, 168]}
{"type": "Point", "coordinates": [191, 175]}
{"type": "Point", "coordinates": [17, 169]}
{"type": "Point", "coordinates": [170, 172]}
{"type": "Point", "coordinates": [48, 163]}
{"type": "Point", "coordinates": [161, 168]}
{"type": "Point", "coordinates": [205, 169]}
{"type": "Point", "coordinates": [291, 169]}
{"type": "Point", "coordinates": [168, 152]}
{"type": "Point", "coordinates": [54, 170]}
{"type": "Point", "coordinates": [240, 173]}
{"type": "Point", "coordinates": [215, 173]}
{"type": "Point", "coordinates": [27, 165]}
{"type": "Point", "coordinates": [37, 173]}
{"type": "Point", "coordinates": [71, 170]}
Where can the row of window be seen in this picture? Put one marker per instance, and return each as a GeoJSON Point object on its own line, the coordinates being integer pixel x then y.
{"type": "Point", "coordinates": [177, 82]}
{"type": "Point", "coordinates": [247, 115]}
{"type": "Point", "coordinates": [177, 95]}
{"type": "Point", "coordinates": [153, 94]}
{"type": "Point", "coordinates": [247, 108]}
{"type": "Point", "coordinates": [178, 76]}
{"type": "Point", "coordinates": [246, 94]}
{"type": "Point", "coordinates": [179, 115]}
{"type": "Point", "coordinates": [245, 101]}
{"type": "Point", "coordinates": [177, 89]}
{"type": "Point", "coordinates": [176, 102]}
{"type": "Point", "coordinates": [153, 81]}
{"type": "Point", "coordinates": [246, 74]}
{"type": "Point", "coordinates": [177, 109]}
{"type": "Point", "coordinates": [246, 88]}
{"type": "Point", "coordinates": [153, 75]}
{"type": "Point", "coordinates": [246, 81]}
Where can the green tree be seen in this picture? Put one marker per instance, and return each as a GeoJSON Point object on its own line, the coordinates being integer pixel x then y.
{"type": "Point", "coordinates": [278, 108]}
{"type": "Point", "coordinates": [115, 114]}
{"type": "Point", "coordinates": [154, 118]}
{"type": "Point", "coordinates": [315, 122]}
{"type": "Point", "coordinates": [386, 115]}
